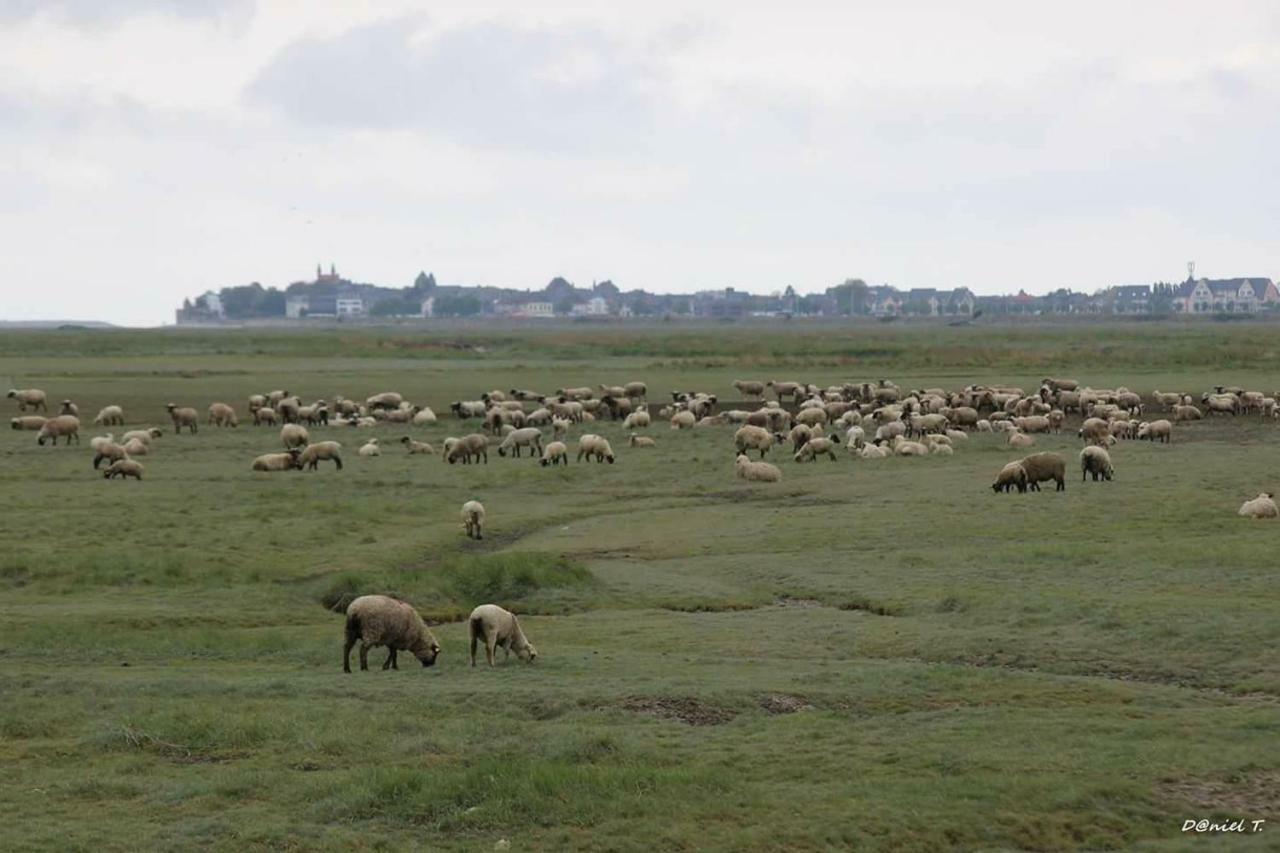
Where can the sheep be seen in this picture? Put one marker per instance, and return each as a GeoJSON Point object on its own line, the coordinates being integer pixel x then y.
{"type": "Point", "coordinates": [424, 417]}
{"type": "Point", "coordinates": [560, 427]}
{"type": "Point", "coordinates": [33, 397]}
{"type": "Point", "coordinates": [555, 453]}
{"type": "Point", "coordinates": [582, 393]}
{"type": "Point", "coordinates": [294, 435]}
{"type": "Point", "coordinates": [274, 397]}
{"type": "Point", "coordinates": [473, 519]}
{"type": "Point", "coordinates": [1034, 423]}
{"type": "Point", "coordinates": [1020, 439]}
{"type": "Point", "coordinates": [416, 447]}
{"type": "Point", "coordinates": [957, 435]}
{"type": "Point", "coordinates": [1221, 403]}
{"type": "Point", "coordinates": [903, 447]}
{"type": "Point", "coordinates": [637, 420]}
{"type": "Point", "coordinates": [264, 415]}
{"type": "Point", "coordinates": [939, 449]}
{"type": "Point", "coordinates": [98, 442]}
{"type": "Point", "coordinates": [257, 401]}
{"type": "Point", "coordinates": [811, 417]}
{"type": "Point", "coordinates": [124, 468]}
{"type": "Point", "coordinates": [752, 438]}
{"type": "Point", "coordinates": [136, 447]}
{"type": "Point", "coordinates": [370, 448]}
{"type": "Point", "coordinates": [1011, 476]}
{"type": "Point", "coordinates": [108, 450]}
{"type": "Point", "coordinates": [277, 461]}
{"type": "Point", "coordinates": [815, 447]}
{"type": "Point", "coordinates": [1062, 384]}
{"type": "Point", "coordinates": [469, 446]}
{"type": "Point", "coordinates": [145, 435]}
{"type": "Point", "coordinates": [495, 627]}
{"type": "Point", "coordinates": [612, 391]}
{"type": "Point", "coordinates": [873, 451]}
{"type": "Point", "coordinates": [962, 416]}
{"type": "Point", "coordinates": [1095, 461]}
{"type": "Point", "coordinates": [683, 419]}
{"type": "Point", "coordinates": [855, 437]}
{"type": "Point", "coordinates": [1095, 431]}
{"type": "Point", "coordinates": [110, 416]}
{"type": "Point", "coordinates": [530, 437]}
{"type": "Point", "coordinates": [760, 472]}
{"type": "Point", "coordinates": [57, 426]}
{"type": "Point", "coordinates": [313, 454]}
{"type": "Point", "coordinates": [984, 425]}
{"type": "Point", "coordinates": [28, 422]}
{"type": "Point", "coordinates": [519, 394]}
{"type": "Point", "coordinates": [183, 416]}
{"type": "Point", "coordinates": [465, 409]}
{"type": "Point", "coordinates": [1160, 430]}
{"type": "Point", "coordinates": [785, 389]}
{"type": "Point", "coordinates": [222, 415]}
{"type": "Point", "coordinates": [1045, 466]}
{"type": "Point", "coordinates": [1260, 507]}
{"type": "Point", "coordinates": [315, 414]}
{"type": "Point", "coordinates": [749, 389]}
{"type": "Point", "coordinates": [379, 620]}
{"type": "Point", "coordinates": [642, 441]}
{"type": "Point", "coordinates": [635, 390]}
{"type": "Point", "coordinates": [385, 400]}
{"type": "Point", "coordinates": [590, 445]}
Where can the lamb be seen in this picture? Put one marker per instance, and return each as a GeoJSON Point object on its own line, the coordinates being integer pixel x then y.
{"type": "Point", "coordinates": [222, 415]}
{"type": "Point", "coordinates": [1160, 430]}
{"type": "Point", "coordinates": [591, 445]}
{"type": "Point", "coordinates": [264, 415]}
{"type": "Point", "coordinates": [642, 441]}
{"type": "Point", "coordinates": [294, 435]}
{"type": "Point", "coordinates": [469, 446]}
{"type": "Point", "coordinates": [684, 419]}
{"type": "Point", "coordinates": [33, 397]}
{"type": "Point", "coordinates": [257, 401]}
{"type": "Point", "coordinates": [903, 447]}
{"type": "Point", "coordinates": [530, 437]}
{"type": "Point", "coordinates": [370, 448]}
{"type": "Point", "coordinates": [855, 438]}
{"type": "Point", "coordinates": [815, 447]}
{"type": "Point", "coordinates": [560, 427]}
{"type": "Point", "coordinates": [1011, 476]}
{"type": "Point", "coordinates": [379, 620]}
{"type": "Point", "coordinates": [1020, 439]}
{"type": "Point", "coordinates": [99, 442]}
{"type": "Point", "coordinates": [498, 627]}
{"type": "Point", "coordinates": [473, 518]}
{"type": "Point", "coordinates": [416, 447]}
{"type": "Point", "coordinates": [752, 438]}
{"type": "Point", "coordinates": [58, 426]}
{"type": "Point", "coordinates": [760, 472]}
{"type": "Point", "coordinates": [749, 389]}
{"type": "Point", "coordinates": [124, 468]}
{"type": "Point", "coordinates": [555, 453]}
{"type": "Point", "coordinates": [312, 455]}
{"type": "Point", "coordinates": [939, 449]}
{"type": "Point", "coordinates": [28, 422]}
{"type": "Point", "coordinates": [110, 416]}
{"type": "Point", "coordinates": [636, 420]}
{"type": "Point", "coordinates": [1263, 506]}
{"type": "Point", "coordinates": [424, 417]}
{"type": "Point", "coordinates": [1041, 467]}
{"type": "Point", "coordinates": [183, 416]}
{"type": "Point", "coordinates": [1095, 461]}
{"type": "Point", "coordinates": [277, 461]}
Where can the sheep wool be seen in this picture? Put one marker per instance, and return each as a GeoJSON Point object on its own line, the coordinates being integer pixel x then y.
{"type": "Point", "coordinates": [495, 626]}
{"type": "Point", "coordinates": [379, 620]}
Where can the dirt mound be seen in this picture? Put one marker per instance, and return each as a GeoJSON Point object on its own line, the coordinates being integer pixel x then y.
{"type": "Point", "coordinates": [781, 703]}
{"type": "Point", "coordinates": [686, 709]}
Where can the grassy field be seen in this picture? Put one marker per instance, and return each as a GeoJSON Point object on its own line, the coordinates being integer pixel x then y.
{"type": "Point", "coordinates": [870, 655]}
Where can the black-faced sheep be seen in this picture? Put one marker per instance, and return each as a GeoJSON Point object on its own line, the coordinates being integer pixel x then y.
{"type": "Point", "coordinates": [591, 445]}
{"type": "Point", "coordinates": [33, 397]}
{"type": "Point", "coordinates": [1011, 476]}
{"type": "Point", "coordinates": [555, 453]}
{"type": "Point", "coordinates": [530, 437]}
{"type": "Point", "coordinates": [1263, 506]}
{"type": "Point", "coordinates": [379, 620]}
{"type": "Point", "coordinates": [495, 627]}
{"type": "Point", "coordinates": [415, 447]}
{"type": "Point", "coordinates": [28, 422]}
{"type": "Point", "coordinates": [67, 426]}
{"type": "Point", "coordinates": [642, 441]}
{"type": "Point", "coordinates": [470, 447]}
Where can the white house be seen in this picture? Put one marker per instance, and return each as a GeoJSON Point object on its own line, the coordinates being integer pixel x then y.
{"type": "Point", "coordinates": [536, 309]}
{"type": "Point", "coordinates": [429, 307]}
{"type": "Point", "coordinates": [596, 306]}
{"type": "Point", "coordinates": [353, 307]}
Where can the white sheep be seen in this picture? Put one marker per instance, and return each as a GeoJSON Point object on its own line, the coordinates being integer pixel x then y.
{"type": "Point", "coordinates": [124, 468]}
{"type": "Point", "coordinates": [642, 441]}
{"type": "Point", "coordinates": [636, 420]}
{"type": "Point", "coordinates": [1263, 506]}
{"type": "Point", "coordinates": [750, 437]}
{"type": "Point", "coordinates": [313, 454]}
{"type": "Point", "coordinates": [424, 417]}
{"type": "Point", "coordinates": [683, 419]}
{"type": "Point", "coordinates": [555, 453]}
{"type": "Point", "coordinates": [473, 516]}
{"type": "Point", "coordinates": [1095, 461]}
{"type": "Point", "coordinates": [33, 397]}
{"type": "Point", "coordinates": [415, 446]}
{"type": "Point", "coordinates": [294, 435]}
{"type": "Point", "coordinates": [761, 472]}
{"type": "Point", "coordinates": [591, 445]}
{"type": "Point", "coordinates": [59, 426]}
{"type": "Point", "coordinates": [370, 448]}
{"type": "Point", "coordinates": [530, 437]}
{"type": "Point", "coordinates": [110, 416]}
{"type": "Point", "coordinates": [495, 627]}
{"type": "Point", "coordinates": [1020, 439]}
{"type": "Point", "coordinates": [815, 447]}
{"type": "Point", "coordinates": [379, 620]}
{"type": "Point", "coordinates": [277, 461]}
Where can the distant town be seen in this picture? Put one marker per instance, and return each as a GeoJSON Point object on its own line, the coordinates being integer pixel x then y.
{"type": "Point", "coordinates": [330, 296]}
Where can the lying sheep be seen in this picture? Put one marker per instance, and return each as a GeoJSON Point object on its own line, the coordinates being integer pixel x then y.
{"type": "Point", "coordinates": [1263, 506]}
{"type": "Point", "coordinates": [137, 447]}
{"type": "Point", "coordinates": [1011, 476]}
{"type": "Point", "coordinates": [415, 446]}
{"type": "Point", "coordinates": [294, 435]}
{"type": "Point", "coordinates": [33, 397]}
{"type": "Point", "coordinates": [379, 620]}
{"type": "Point", "coordinates": [555, 453]}
{"type": "Point", "coordinates": [752, 438]}
{"type": "Point", "coordinates": [761, 472]}
{"type": "Point", "coordinates": [1020, 439]}
{"type": "Point", "coordinates": [124, 468]}
{"type": "Point", "coordinates": [642, 441]}
{"type": "Point", "coordinates": [58, 427]}
{"type": "Point", "coordinates": [28, 422]}
{"type": "Point", "coordinates": [183, 416]}
{"type": "Point", "coordinates": [474, 446]}
{"type": "Point", "coordinates": [939, 449]}
{"type": "Point", "coordinates": [903, 447]}
{"type": "Point", "coordinates": [637, 420]}
{"type": "Point", "coordinates": [222, 415]}
{"type": "Point", "coordinates": [385, 400]}
{"type": "Point", "coordinates": [313, 454]}
{"type": "Point", "coordinates": [424, 417]}
{"type": "Point", "coordinates": [1095, 461]}
{"type": "Point", "coordinates": [370, 448]}
{"type": "Point", "coordinates": [146, 435]}
{"type": "Point", "coordinates": [495, 627]}
{"type": "Point", "coordinates": [277, 461]}
{"type": "Point", "coordinates": [110, 416]}
{"type": "Point", "coordinates": [815, 447]}
{"type": "Point", "coordinates": [530, 437]}
{"type": "Point", "coordinates": [591, 445]}
{"type": "Point", "coordinates": [873, 451]}
{"type": "Point", "coordinates": [473, 519]}
{"type": "Point", "coordinates": [683, 419]}
{"type": "Point", "coordinates": [1042, 467]}
{"type": "Point", "coordinates": [1161, 431]}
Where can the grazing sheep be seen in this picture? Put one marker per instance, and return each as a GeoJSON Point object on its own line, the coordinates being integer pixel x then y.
{"type": "Point", "coordinates": [1221, 404]}
{"type": "Point", "coordinates": [530, 437]}
{"type": "Point", "coordinates": [28, 422]}
{"type": "Point", "coordinates": [555, 453]}
{"type": "Point", "coordinates": [642, 441]}
{"type": "Point", "coordinates": [473, 446]}
{"type": "Point", "coordinates": [815, 447]}
{"type": "Point", "coordinates": [274, 397]}
{"type": "Point", "coordinates": [370, 448]}
{"type": "Point", "coordinates": [222, 415]}
{"type": "Point", "coordinates": [416, 447]}
{"type": "Point", "coordinates": [1095, 431]}
{"type": "Point", "coordinates": [1160, 430]}
{"type": "Point", "coordinates": [313, 454]}
{"type": "Point", "coordinates": [1041, 467]}
{"type": "Point", "coordinates": [760, 472]}
{"type": "Point", "coordinates": [1263, 506]}
{"type": "Point", "coordinates": [277, 461]}
{"type": "Point", "coordinates": [749, 389]}
{"type": "Point", "coordinates": [1020, 439]}
{"type": "Point", "coordinates": [110, 416]}
{"type": "Point", "coordinates": [58, 426]}
{"type": "Point", "coordinates": [683, 419]}
{"type": "Point", "coordinates": [257, 401]}
{"type": "Point", "coordinates": [1011, 476]}
{"type": "Point", "coordinates": [294, 435]}
{"type": "Point", "coordinates": [1095, 461]}
{"type": "Point", "coordinates": [1033, 423]}
{"type": "Point", "coordinates": [752, 438]}
{"type": "Point", "coordinates": [33, 397]}
{"type": "Point", "coordinates": [183, 416]}
{"type": "Point", "coordinates": [124, 468]}
{"type": "Point", "coordinates": [473, 519]}
{"type": "Point", "coordinates": [424, 417]}
{"type": "Point", "coordinates": [637, 420]}
{"type": "Point", "coordinates": [379, 620]}
{"type": "Point", "coordinates": [590, 445]}
{"type": "Point", "coordinates": [264, 415]}
{"type": "Point", "coordinates": [495, 627]}
{"type": "Point", "coordinates": [69, 408]}
{"type": "Point", "coordinates": [107, 450]}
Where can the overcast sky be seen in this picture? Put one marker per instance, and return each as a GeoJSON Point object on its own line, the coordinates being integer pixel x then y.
{"type": "Point", "coordinates": [147, 154]}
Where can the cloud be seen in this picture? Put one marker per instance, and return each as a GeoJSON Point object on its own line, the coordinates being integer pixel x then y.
{"type": "Point", "coordinates": [106, 13]}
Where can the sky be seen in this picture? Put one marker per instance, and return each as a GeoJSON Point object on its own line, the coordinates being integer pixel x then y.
{"type": "Point", "coordinates": [154, 149]}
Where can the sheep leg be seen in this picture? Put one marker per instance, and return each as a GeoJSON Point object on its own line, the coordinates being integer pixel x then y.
{"type": "Point", "coordinates": [391, 659]}
{"type": "Point", "coordinates": [346, 652]}
{"type": "Point", "coordinates": [490, 645]}
{"type": "Point", "coordinates": [474, 640]}
{"type": "Point", "coordinates": [364, 656]}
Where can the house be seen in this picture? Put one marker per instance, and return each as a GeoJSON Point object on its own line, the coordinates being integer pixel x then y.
{"type": "Point", "coordinates": [1131, 299]}
{"type": "Point", "coordinates": [883, 301]}
{"type": "Point", "coordinates": [348, 306]}
{"type": "Point", "coordinates": [1225, 296]}
{"type": "Point", "coordinates": [535, 309]}
{"type": "Point", "coordinates": [296, 306]}
{"type": "Point", "coordinates": [429, 306]}
{"type": "Point", "coordinates": [596, 306]}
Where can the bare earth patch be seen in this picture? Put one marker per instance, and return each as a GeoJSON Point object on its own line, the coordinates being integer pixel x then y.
{"type": "Point", "coordinates": [686, 709]}
{"type": "Point", "coordinates": [1249, 795]}
{"type": "Point", "coordinates": [781, 703]}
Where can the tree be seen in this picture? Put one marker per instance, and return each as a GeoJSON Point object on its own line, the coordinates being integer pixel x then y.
{"type": "Point", "coordinates": [458, 306]}
{"type": "Point", "coordinates": [396, 307]}
{"type": "Point", "coordinates": [424, 283]}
